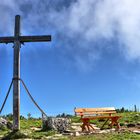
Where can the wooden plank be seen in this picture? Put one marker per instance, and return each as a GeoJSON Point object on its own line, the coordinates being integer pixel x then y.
{"type": "Point", "coordinates": [41, 38]}
{"type": "Point", "coordinates": [94, 109]}
{"type": "Point", "coordinates": [95, 113]}
{"type": "Point", "coordinates": [17, 26]}
{"type": "Point", "coordinates": [23, 39]}
{"type": "Point", "coordinates": [7, 39]}
{"type": "Point", "coordinates": [100, 117]}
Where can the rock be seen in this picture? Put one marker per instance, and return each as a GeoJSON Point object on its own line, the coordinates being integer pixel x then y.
{"type": "Point", "coordinates": [136, 131]}
{"type": "Point", "coordinates": [95, 127]}
{"type": "Point", "coordinates": [58, 124]}
{"type": "Point", "coordinates": [131, 125]}
{"type": "Point", "coordinates": [113, 129]}
{"type": "Point", "coordinates": [58, 135]}
{"type": "Point", "coordinates": [35, 128]}
{"type": "Point", "coordinates": [5, 123]}
{"type": "Point", "coordinates": [68, 134]}
{"type": "Point", "coordinates": [104, 131]}
{"type": "Point", "coordinates": [55, 137]}
{"type": "Point", "coordinates": [76, 134]}
{"type": "Point", "coordinates": [137, 115]}
{"type": "Point", "coordinates": [77, 128]}
{"type": "Point", "coordinates": [76, 124]}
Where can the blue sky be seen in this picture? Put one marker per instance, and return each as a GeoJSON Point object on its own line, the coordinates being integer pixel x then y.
{"type": "Point", "coordinates": [92, 61]}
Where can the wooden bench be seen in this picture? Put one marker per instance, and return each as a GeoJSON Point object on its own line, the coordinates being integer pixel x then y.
{"type": "Point", "coordinates": [87, 114]}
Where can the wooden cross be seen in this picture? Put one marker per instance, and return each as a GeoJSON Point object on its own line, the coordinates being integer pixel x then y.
{"type": "Point", "coordinates": [17, 39]}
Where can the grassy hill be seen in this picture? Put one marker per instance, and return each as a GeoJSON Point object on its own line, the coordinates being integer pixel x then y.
{"type": "Point", "coordinates": [32, 129]}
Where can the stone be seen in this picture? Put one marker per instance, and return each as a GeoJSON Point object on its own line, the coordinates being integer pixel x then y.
{"type": "Point", "coordinates": [136, 131]}
{"type": "Point", "coordinates": [58, 135]}
{"type": "Point", "coordinates": [77, 128]}
{"type": "Point", "coordinates": [35, 128]}
{"type": "Point", "coordinates": [68, 134]}
{"type": "Point", "coordinates": [76, 134]}
{"type": "Point", "coordinates": [76, 124]}
{"type": "Point", "coordinates": [55, 137]}
{"type": "Point", "coordinates": [137, 115]}
{"type": "Point", "coordinates": [58, 124]}
{"type": "Point", "coordinates": [5, 123]}
{"type": "Point", "coordinates": [104, 131]}
{"type": "Point", "coordinates": [95, 127]}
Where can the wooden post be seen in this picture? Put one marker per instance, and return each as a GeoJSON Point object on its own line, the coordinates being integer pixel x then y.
{"type": "Point", "coordinates": [16, 76]}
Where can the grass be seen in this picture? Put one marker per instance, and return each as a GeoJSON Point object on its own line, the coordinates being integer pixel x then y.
{"type": "Point", "coordinates": [27, 130]}
{"type": "Point", "coordinates": [130, 117]}
{"type": "Point", "coordinates": [111, 136]}
{"type": "Point", "coordinates": [15, 135]}
{"type": "Point", "coordinates": [27, 124]}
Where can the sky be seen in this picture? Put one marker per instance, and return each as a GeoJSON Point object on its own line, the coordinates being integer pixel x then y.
{"type": "Point", "coordinates": [92, 61]}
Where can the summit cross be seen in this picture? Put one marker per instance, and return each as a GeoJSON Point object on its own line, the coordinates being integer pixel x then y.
{"type": "Point", "coordinates": [17, 40]}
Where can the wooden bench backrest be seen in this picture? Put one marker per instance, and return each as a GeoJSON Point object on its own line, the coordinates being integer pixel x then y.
{"type": "Point", "coordinates": [94, 111]}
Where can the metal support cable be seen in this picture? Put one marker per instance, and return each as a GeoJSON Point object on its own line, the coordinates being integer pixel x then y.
{"type": "Point", "coordinates": [32, 98]}
{"type": "Point", "coordinates": [6, 97]}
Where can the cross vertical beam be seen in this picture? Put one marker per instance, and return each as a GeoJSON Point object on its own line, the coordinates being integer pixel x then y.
{"type": "Point", "coordinates": [16, 76]}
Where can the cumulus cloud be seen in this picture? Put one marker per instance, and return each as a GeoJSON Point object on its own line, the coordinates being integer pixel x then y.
{"type": "Point", "coordinates": [79, 24]}
{"type": "Point", "coordinates": [107, 19]}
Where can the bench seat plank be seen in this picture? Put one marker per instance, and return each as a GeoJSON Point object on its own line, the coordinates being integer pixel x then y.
{"type": "Point", "coordinates": [96, 113]}
{"type": "Point", "coordinates": [94, 109]}
{"type": "Point", "coordinates": [100, 117]}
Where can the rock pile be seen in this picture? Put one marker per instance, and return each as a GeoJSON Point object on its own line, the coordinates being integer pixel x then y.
{"type": "Point", "coordinates": [58, 124]}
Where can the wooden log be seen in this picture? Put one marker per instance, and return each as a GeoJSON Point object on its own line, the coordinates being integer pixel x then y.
{"type": "Point", "coordinates": [16, 75]}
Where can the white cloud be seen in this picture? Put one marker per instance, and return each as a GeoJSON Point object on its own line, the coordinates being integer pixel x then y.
{"type": "Point", "coordinates": [84, 20]}
{"type": "Point", "coordinates": [106, 18]}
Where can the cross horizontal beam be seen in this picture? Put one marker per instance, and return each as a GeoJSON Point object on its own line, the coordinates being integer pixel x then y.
{"type": "Point", "coordinates": [23, 39]}
{"type": "Point", "coordinates": [7, 39]}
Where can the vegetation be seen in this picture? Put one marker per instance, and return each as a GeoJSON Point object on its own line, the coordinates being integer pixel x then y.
{"type": "Point", "coordinates": [111, 136]}
{"type": "Point", "coordinates": [31, 128]}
